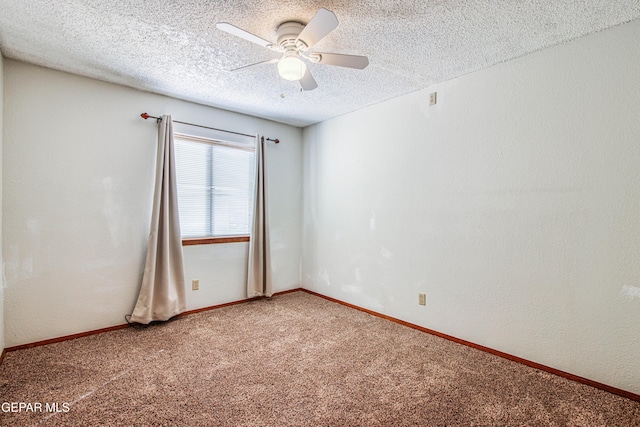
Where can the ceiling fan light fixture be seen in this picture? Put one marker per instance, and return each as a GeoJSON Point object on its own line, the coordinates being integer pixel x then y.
{"type": "Point", "coordinates": [291, 68]}
{"type": "Point", "coordinates": [294, 41]}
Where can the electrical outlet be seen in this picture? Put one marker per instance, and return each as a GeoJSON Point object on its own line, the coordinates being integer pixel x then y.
{"type": "Point", "coordinates": [195, 285]}
{"type": "Point", "coordinates": [422, 299]}
{"type": "Point", "coordinates": [433, 98]}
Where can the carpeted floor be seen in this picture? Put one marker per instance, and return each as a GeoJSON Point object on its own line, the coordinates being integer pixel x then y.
{"type": "Point", "coordinates": [293, 360]}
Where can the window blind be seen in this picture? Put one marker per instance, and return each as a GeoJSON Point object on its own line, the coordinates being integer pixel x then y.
{"type": "Point", "coordinates": [215, 187]}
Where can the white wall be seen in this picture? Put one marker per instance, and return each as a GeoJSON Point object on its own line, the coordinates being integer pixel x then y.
{"type": "Point", "coordinates": [514, 204]}
{"type": "Point", "coordinates": [78, 177]}
{"type": "Point", "coordinates": [1, 258]}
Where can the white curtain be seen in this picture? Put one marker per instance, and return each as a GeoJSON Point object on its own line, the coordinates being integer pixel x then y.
{"type": "Point", "coordinates": [259, 273]}
{"type": "Point", "coordinates": [162, 294]}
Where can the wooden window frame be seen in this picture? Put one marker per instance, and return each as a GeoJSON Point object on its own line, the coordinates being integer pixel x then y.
{"type": "Point", "coordinates": [213, 240]}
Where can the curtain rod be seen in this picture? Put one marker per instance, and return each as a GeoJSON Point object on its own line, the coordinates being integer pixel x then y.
{"type": "Point", "coordinates": [146, 116]}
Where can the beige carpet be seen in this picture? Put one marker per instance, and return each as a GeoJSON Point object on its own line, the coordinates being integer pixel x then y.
{"type": "Point", "coordinates": [298, 360]}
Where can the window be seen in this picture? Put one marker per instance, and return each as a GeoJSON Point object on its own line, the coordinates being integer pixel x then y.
{"type": "Point", "coordinates": [215, 186]}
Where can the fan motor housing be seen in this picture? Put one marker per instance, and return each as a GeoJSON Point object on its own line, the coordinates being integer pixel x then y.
{"type": "Point", "coordinates": [288, 33]}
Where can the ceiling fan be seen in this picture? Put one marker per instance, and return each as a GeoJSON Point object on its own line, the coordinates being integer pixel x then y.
{"type": "Point", "coordinates": [294, 41]}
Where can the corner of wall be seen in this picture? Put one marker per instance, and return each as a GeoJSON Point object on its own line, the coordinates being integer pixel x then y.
{"type": "Point", "coordinates": [519, 243]}
{"type": "Point", "coordinates": [1, 258]}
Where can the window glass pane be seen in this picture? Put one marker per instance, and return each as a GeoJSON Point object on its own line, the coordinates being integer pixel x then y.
{"type": "Point", "coordinates": [194, 189]}
{"type": "Point", "coordinates": [194, 212]}
{"type": "Point", "coordinates": [215, 188]}
{"type": "Point", "coordinates": [232, 172]}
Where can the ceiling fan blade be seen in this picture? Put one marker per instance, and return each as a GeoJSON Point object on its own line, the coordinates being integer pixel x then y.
{"type": "Point", "coordinates": [239, 32]}
{"type": "Point", "coordinates": [308, 82]}
{"type": "Point", "coordinates": [268, 61]}
{"type": "Point", "coordinates": [322, 23]}
{"type": "Point", "coordinates": [349, 61]}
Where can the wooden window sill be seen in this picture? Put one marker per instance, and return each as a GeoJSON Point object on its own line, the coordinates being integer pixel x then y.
{"type": "Point", "coordinates": [213, 240]}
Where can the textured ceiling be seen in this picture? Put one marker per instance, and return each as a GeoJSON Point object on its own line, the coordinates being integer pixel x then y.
{"type": "Point", "coordinates": [174, 48]}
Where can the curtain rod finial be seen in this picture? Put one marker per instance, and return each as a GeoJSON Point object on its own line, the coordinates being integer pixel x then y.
{"type": "Point", "coordinates": [144, 116]}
